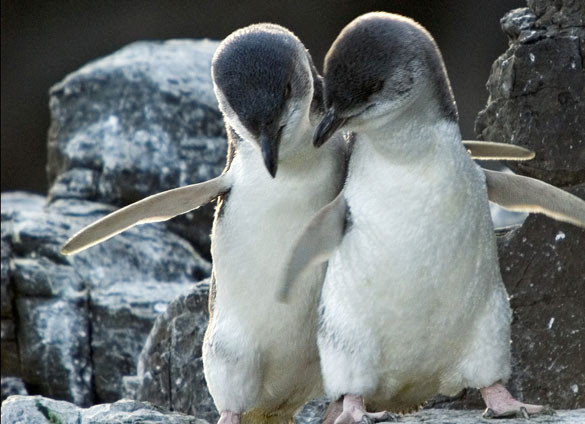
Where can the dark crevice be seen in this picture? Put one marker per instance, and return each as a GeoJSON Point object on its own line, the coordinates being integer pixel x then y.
{"type": "Point", "coordinates": [169, 364]}
{"type": "Point", "coordinates": [92, 384]}
{"type": "Point", "coordinates": [522, 278]}
{"type": "Point", "coordinates": [16, 322]}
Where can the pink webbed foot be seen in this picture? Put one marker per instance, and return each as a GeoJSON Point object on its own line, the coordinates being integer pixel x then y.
{"type": "Point", "coordinates": [229, 417]}
{"type": "Point", "coordinates": [501, 404]}
{"type": "Point", "coordinates": [354, 412]}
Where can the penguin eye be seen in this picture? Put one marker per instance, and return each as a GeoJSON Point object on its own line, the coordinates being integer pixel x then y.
{"type": "Point", "coordinates": [287, 91]}
{"type": "Point", "coordinates": [377, 86]}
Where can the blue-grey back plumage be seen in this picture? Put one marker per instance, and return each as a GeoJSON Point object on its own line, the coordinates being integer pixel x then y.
{"type": "Point", "coordinates": [384, 56]}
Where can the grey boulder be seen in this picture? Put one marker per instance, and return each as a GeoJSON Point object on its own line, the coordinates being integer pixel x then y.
{"type": "Point", "coordinates": [137, 122]}
{"type": "Point", "coordinates": [134, 123]}
{"type": "Point", "coordinates": [537, 90]}
{"type": "Point", "coordinates": [543, 265]}
{"type": "Point", "coordinates": [40, 410]}
{"type": "Point", "coordinates": [83, 320]}
{"type": "Point", "coordinates": [170, 367]}
{"type": "Point", "coordinates": [12, 386]}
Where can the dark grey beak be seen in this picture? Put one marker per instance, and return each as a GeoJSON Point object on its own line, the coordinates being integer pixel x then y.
{"type": "Point", "coordinates": [269, 146]}
{"type": "Point", "coordinates": [328, 125]}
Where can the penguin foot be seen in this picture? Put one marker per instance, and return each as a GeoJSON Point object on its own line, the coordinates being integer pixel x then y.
{"type": "Point", "coordinates": [501, 404]}
{"type": "Point", "coordinates": [229, 417]}
{"type": "Point", "coordinates": [354, 412]}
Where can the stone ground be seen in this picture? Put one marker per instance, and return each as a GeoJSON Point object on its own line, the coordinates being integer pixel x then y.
{"type": "Point", "coordinates": [41, 410]}
{"type": "Point", "coordinates": [446, 416]}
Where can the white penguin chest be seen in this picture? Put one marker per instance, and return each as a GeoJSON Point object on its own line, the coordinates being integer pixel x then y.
{"type": "Point", "coordinates": [261, 220]}
{"type": "Point", "coordinates": [415, 243]}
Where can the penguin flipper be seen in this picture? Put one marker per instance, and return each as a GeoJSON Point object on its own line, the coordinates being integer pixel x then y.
{"type": "Point", "coordinates": [158, 207]}
{"type": "Point", "coordinates": [524, 194]}
{"type": "Point", "coordinates": [316, 244]}
{"type": "Point", "coordinates": [490, 150]}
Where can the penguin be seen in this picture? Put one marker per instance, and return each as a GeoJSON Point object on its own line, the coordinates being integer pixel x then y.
{"type": "Point", "coordinates": [413, 302]}
{"type": "Point", "coordinates": [260, 358]}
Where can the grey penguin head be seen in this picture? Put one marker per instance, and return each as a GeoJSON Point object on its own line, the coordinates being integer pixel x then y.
{"type": "Point", "coordinates": [379, 64]}
{"type": "Point", "coordinates": [265, 82]}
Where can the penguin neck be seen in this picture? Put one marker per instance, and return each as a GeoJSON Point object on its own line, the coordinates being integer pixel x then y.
{"type": "Point", "coordinates": [405, 156]}
{"type": "Point", "coordinates": [297, 157]}
{"type": "Point", "coordinates": [297, 146]}
{"type": "Point", "coordinates": [412, 134]}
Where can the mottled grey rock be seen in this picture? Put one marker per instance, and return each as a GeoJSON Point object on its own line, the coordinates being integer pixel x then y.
{"type": "Point", "coordinates": [563, 13]}
{"type": "Point", "coordinates": [52, 350]}
{"type": "Point", "coordinates": [12, 386]}
{"type": "Point", "coordinates": [6, 293]}
{"type": "Point", "coordinates": [543, 265]}
{"type": "Point", "coordinates": [537, 90]}
{"type": "Point", "coordinates": [9, 349]}
{"type": "Point", "coordinates": [40, 410]}
{"type": "Point", "coordinates": [10, 363]}
{"type": "Point", "coordinates": [445, 416]}
{"type": "Point", "coordinates": [137, 122]}
{"type": "Point", "coordinates": [170, 368]}
{"type": "Point", "coordinates": [53, 347]}
{"type": "Point", "coordinates": [72, 321]}
{"type": "Point", "coordinates": [122, 314]}
{"type": "Point", "coordinates": [130, 385]}
{"type": "Point", "coordinates": [312, 412]}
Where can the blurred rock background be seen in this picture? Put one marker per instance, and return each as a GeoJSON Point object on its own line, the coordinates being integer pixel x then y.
{"type": "Point", "coordinates": [126, 318]}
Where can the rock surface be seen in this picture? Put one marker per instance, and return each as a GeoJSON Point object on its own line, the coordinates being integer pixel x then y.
{"type": "Point", "coordinates": [543, 265]}
{"type": "Point", "coordinates": [137, 122]}
{"type": "Point", "coordinates": [537, 90]}
{"type": "Point", "coordinates": [39, 410]}
{"type": "Point", "coordinates": [442, 416]}
{"type": "Point", "coordinates": [170, 367]}
{"type": "Point", "coordinates": [122, 315]}
{"type": "Point", "coordinates": [71, 336]}
{"type": "Point", "coordinates": [10, 363]}
{"type": "Point", "coordinates": [12, 386]}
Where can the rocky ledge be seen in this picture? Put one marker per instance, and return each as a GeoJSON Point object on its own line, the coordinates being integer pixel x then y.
{"type": "Point", "coordinates": [40, 410]}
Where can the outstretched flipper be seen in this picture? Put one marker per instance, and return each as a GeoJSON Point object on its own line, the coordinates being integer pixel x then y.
{"type": "Point", "coordinates": [317, 242]}
{"type": "Point", "coordinates": [524, 194]}
{"type": "Point", "coordinates": [490, 150]}
{"type": "Point", "coordinates": [158, 207]}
